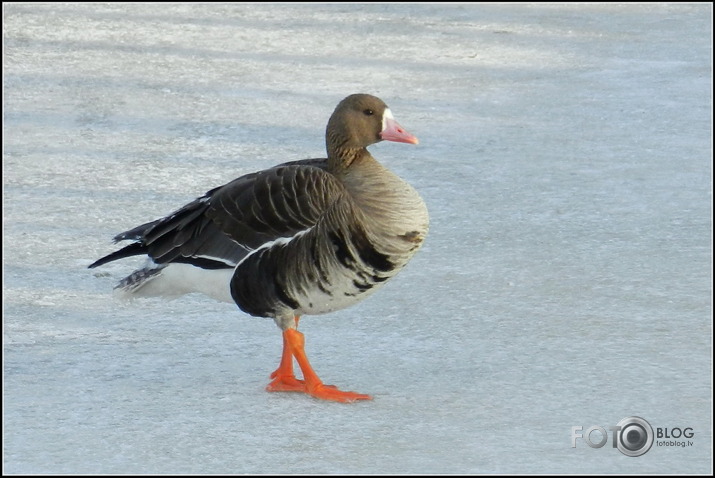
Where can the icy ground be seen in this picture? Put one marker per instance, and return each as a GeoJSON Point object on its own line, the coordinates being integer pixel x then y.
{"type": "Point", "coordinates": [565, 157]}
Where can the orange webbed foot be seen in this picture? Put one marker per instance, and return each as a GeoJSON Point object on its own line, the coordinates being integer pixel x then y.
{"type": "Point", "coordinates": [330, 392]}
{"type": "Point", "coordinates": [289, 383]}
{"type": "Point", "coordinates": [285, 383]}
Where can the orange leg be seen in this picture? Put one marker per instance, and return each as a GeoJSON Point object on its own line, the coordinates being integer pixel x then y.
{"type": "Point", "coordinates": [285, 381]}
{"type": "Point", "coordinates": [283, 378]}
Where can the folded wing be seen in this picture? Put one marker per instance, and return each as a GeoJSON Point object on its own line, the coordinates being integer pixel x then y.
{"type": "Point", "coordinates": [222, 227]}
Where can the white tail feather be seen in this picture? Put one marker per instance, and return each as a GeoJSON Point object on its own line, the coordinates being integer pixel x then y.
{"type": "Point", "coordinates": [176, 279]}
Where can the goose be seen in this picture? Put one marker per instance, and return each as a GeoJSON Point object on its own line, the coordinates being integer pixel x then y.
{"type": "Point", "coordinates": [305, 237]}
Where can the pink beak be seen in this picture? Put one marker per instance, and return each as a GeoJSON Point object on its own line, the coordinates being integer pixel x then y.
{"type": "Point", "coordinates": [394, 132]}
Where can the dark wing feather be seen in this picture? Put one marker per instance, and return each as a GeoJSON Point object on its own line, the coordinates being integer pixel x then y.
{"type": "Point", "coordinates": [223, 226]}
{"type": "Point", "coordinates": [275, 203]}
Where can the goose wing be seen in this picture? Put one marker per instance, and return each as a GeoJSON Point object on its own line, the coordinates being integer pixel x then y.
{"type": "Point", "coordinates": [220, 228]}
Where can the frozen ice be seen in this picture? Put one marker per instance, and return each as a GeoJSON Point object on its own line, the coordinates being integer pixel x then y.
{"type": "Point", "coordinates": [565, 156]}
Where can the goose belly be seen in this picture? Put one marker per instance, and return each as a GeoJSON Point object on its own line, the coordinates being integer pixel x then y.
{"type": "Point", "coordinates": [314, 273]}
{"type": "Point", "coordinates": [347, 287]}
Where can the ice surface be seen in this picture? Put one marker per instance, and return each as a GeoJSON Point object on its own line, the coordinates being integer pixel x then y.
{"type": "Point", "coordinates": [565, 156]}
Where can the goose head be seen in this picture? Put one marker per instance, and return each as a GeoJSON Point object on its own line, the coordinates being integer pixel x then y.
{"type": "Point", "coordinates": [359, 121]}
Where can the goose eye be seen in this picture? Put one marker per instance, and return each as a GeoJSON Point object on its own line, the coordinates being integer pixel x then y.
{"type": "Point", "coordinates": [368, 112]}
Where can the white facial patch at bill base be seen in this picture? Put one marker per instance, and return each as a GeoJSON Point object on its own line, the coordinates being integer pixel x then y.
{"type": "Point", "coordinates": [386, 115]}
